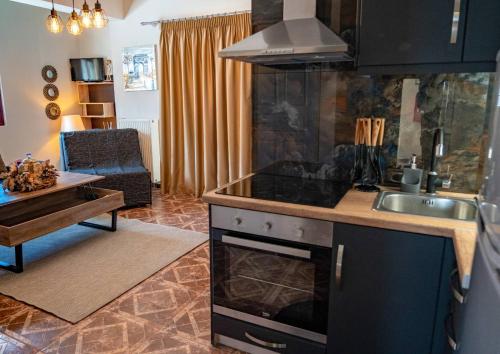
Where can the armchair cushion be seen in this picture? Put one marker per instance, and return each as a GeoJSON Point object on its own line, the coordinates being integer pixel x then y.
{"type": "Point", "coordinates": [113, 153]}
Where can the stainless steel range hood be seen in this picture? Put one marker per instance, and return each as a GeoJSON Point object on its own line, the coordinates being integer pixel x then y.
{"type": "Point", "coordinates": [299, 38]}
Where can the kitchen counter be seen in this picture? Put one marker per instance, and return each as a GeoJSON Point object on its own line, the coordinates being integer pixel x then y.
{"type": "Point", "coordinates": [357, 208]}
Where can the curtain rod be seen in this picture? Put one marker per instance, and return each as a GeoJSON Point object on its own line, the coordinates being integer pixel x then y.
{"type": "Point", "coordinates": [156, 23]}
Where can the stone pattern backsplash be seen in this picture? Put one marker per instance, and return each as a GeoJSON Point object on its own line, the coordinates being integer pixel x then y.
{"type": "Point", "coordinates": [307, 113]}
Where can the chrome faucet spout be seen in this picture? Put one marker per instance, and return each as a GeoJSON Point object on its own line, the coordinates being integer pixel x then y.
{"type": "Point", "coordinates": [437, 151]}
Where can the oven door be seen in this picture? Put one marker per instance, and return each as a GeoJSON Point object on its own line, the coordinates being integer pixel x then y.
{"type": "Point", "coordinates": [272, 283]}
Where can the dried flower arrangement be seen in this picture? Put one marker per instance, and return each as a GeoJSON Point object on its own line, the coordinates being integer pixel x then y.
{"type": "Point", "coordinates": [29, 175]}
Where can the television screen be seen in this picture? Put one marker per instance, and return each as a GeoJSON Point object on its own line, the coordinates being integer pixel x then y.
{"type": "Point", "coordinates": [87, 69]}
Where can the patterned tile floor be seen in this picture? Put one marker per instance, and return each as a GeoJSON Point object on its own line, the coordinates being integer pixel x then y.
{"type": "Point", "coordinates": [167, 313]}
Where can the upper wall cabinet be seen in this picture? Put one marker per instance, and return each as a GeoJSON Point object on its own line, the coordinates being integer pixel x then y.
{"type": "Point", "coordinates": [428, 35]}
{"type": "Point", "coordinates": [396, 32]}
{"type": "Point", "coordinates": [482, 38]}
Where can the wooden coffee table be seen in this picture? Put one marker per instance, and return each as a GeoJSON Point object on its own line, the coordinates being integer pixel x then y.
{"type": "Point", "coordinates": [26, 216]}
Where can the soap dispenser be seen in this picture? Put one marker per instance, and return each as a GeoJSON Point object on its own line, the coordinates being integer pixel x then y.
{"type": "Point", "coordinates": [413, 162]}
{"type": "Point", "coordinates": [412, 177]}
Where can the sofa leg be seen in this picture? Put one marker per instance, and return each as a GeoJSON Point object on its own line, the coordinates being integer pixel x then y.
{"type": "Point", "coordinates": [114, 217]}
{"type": "Point", "coordinates": [18, 267]}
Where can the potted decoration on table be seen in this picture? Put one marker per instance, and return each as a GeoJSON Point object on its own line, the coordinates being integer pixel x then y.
{"type": "Point", "coordinates": [29, 175]}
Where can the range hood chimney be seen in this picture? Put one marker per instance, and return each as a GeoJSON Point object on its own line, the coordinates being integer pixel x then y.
{"type": "Point", "coordinates": [299, 38]}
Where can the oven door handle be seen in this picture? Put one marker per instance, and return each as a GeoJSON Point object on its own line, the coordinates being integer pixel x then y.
{"type": "Point", "coordinates": [264, 246]}
{"type": "Point", "coordinates": [265, 343]}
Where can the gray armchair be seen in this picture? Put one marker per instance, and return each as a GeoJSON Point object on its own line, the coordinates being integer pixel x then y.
{"type": "Point", "coordinates": [113, 153]}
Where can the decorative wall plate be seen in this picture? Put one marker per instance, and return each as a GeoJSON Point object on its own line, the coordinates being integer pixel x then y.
{"type": "Point", "coordinates": [53, 111]}
{"type": "Point", "coordinates": [49, 73]}
{"type": "Point", "coordinates": [51, 92]}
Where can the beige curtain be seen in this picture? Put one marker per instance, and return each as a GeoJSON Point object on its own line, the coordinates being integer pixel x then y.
{"type": "Point", "coordinates": [205, 105]}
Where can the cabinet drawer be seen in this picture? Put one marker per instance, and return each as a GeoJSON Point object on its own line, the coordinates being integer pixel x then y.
{"type": "Point", "coordinates": [31, 218]}
{"type": "Point", "coordinates": [255, 339]}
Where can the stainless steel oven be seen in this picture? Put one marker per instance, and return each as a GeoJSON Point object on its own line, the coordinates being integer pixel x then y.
{"type": "Point", "coordinates": [272, 271]}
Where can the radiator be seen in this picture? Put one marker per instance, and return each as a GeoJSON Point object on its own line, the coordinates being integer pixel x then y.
{"type": "Point", "coordinates": [149, 140]}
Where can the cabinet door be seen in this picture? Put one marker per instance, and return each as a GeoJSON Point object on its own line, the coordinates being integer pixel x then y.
{"type": "Point", "coordinates": [385, 299]}
{"type": "Point", "coordinates": [482, 36]}
{"type": "Point", "coordinates": [397, 32]}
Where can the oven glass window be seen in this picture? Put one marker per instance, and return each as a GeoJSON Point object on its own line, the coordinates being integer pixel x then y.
{"type": "Point", "coordinates": [288, 289]}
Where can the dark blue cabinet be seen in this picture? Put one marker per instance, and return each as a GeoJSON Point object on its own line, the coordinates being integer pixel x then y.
{"type": "Point", "coordinates": [482, 39]}
{"type": "Point", "coordinates": [397, 32]}
{"type": "Point", "coordinates": [389, 292]}
{"type": "Point", "coordinates": [420, 36]}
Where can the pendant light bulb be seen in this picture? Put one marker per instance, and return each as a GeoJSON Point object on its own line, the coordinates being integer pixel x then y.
{"type": "Point", "coordinates": [100, 18]}
{"type": "Point", "coordinates": [74, 26]}
{"type": "Point", "coordinates": [86, 16]}
{"type": "Point", "coordinates": [54, 23]}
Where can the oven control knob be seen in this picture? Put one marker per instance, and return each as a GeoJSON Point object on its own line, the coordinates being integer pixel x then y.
{"type": "Point", "coordinates": [268, 226]}
{"type": "Point", "coordinates": [237, 221]}
{"type": "Point", "coordinates": [299, 232]}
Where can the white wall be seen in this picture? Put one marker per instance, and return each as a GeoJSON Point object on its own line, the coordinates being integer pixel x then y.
{"type": "Point", "coordinates": [128, 32]}
{"type": "Point", "coordinates": [25, 47]}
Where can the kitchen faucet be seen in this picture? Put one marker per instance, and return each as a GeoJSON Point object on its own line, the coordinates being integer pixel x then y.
{"type": "Point", "coordinates": [437, 151]}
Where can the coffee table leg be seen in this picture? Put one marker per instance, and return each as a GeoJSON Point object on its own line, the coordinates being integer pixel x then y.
{"type": "Point", "coordinates": [18, 267]}
{"type": "Point", "coordinates": [114, 215]}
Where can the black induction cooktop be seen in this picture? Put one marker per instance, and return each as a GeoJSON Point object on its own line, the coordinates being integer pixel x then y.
{"type": "Point", "coordinates": [289, 189]}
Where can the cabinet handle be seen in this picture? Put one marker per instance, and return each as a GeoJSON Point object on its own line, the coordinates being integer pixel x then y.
{"type": "Point", "coordinates": [449, 333]}
{"type": "Point", "coordinates": [451, 342]}
{"type": "Point", "coordinates": [338, 266]}
{"type": "Point", "coordinates": [455, 22]}
{"type": "Point", "coordinates": [456, 293]}
{"type": "Point", "coordinates": [265, 343]}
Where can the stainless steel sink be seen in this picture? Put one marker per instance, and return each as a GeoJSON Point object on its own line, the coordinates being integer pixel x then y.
{"type": "Point", "coordinates": [426, 205]}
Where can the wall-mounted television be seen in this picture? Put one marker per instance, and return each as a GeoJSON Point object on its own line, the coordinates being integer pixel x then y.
{"type": "Point", "coordinates": [87, 69]}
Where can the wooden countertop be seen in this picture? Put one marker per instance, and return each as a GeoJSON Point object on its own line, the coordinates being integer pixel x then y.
{"type": "Point", "coordinates": [357, 208]}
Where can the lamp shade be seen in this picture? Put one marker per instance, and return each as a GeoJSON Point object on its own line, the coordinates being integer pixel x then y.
{"type": "Point", "coordinates": [72, 123]}
{"type": "Point", "coordinates": [74, 26]}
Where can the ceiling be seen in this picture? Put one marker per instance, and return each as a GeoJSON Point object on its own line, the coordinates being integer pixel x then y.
{"type": "Point", "coordinates": [114, 8]}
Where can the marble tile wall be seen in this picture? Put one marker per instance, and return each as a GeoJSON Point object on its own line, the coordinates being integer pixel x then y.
{"type": "Point", "coordinates": [307, 113]}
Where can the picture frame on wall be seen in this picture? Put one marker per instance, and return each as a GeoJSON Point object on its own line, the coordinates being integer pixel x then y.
{"type": "Point", "coordinates": [2, 106]}
{"type": "Point", "coordinates": [139, 68]}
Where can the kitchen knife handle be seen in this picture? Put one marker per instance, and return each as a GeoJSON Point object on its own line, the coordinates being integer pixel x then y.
{"type": "Point", "coordinates": [381, 132]}
{"type": "Point", "coordinates": [356, 134]}
{"type": "Point", "coordinates": [376, 125]}
{"type": "Point", "coordinates": [362, 138]}
{"type": "Point", "coordinates": [368, 132]}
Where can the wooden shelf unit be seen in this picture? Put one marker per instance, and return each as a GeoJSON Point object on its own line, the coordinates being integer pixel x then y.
{"type": "Point", "coordinates": [97, 100]}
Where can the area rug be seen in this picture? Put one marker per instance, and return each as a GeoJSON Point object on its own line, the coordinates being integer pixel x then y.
{"type": "Point", "coordinates": [75, 271]}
